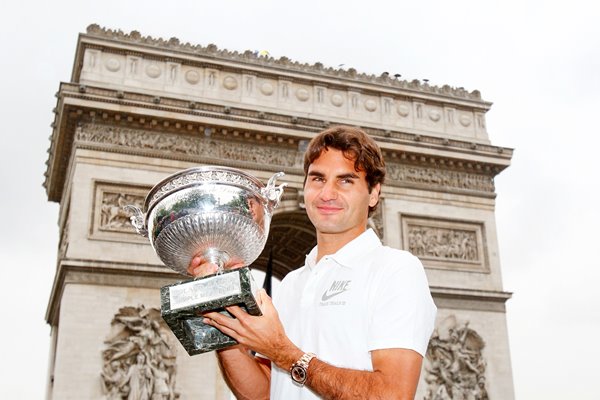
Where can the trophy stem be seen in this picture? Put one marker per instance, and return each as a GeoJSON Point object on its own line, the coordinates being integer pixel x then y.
{"type": "Point", "coordinates": [217, 257]}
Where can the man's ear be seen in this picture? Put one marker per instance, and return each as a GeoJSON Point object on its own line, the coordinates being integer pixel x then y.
{"type": "Point", "coordinates": [374, 195]}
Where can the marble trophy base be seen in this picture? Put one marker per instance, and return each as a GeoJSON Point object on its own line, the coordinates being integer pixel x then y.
{"type": "Point", "coordinates": [183, 303]}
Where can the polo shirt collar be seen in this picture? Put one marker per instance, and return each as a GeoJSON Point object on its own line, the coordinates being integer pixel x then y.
{"type": "Point", "coordinates": [347, 255]}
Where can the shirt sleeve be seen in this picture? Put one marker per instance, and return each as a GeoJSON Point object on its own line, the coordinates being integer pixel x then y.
{"type": "Point", "coordinates": [402, 311]}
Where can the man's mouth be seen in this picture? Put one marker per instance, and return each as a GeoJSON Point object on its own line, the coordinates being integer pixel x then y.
{"type": "Point", "coordinates": [328, 209]}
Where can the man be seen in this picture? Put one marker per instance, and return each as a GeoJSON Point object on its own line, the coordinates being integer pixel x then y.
{"type": "Point", "coordinates": [354, 322]}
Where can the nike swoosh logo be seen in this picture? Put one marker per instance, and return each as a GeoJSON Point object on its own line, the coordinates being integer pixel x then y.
{"type": "Point", "coordinates": [327, 296]}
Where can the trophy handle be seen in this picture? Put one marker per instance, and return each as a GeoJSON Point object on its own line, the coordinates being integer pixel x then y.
{"type": "Point", "coordinates": [273, 193]}
{"type": "Point", "coordinates": [137, 220]}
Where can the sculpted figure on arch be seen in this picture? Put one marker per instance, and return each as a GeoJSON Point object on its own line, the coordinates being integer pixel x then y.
{"type": "Point", "coordinates": [355, 320]}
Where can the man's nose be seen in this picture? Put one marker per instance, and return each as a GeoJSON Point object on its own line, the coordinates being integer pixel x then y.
{"type": "Point", "coordinates": [329, 191]}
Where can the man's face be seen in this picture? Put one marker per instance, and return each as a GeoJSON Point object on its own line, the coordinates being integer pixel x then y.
{"type": "Point", "coordinates": [336, 196]}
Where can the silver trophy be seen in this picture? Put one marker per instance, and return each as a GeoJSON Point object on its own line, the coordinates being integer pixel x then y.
{"type": "Point", "coordinates": [223, 215]}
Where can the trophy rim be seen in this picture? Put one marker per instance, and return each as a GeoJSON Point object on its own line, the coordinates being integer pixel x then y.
{"type": "Point", "coordinates": [148, 200]}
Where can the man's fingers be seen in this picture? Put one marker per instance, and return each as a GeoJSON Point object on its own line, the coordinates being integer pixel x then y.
{"type": "Point", "coordinates": [237, 312]}
{"type": "Point", "coordinates": [198, 267]}
{"type": "Point", "coordinates": [262, 293]}
{"type": "Point", "coordinates": [264, 301]}
{"type": "Point", "coordinates": [234, 265]}
{"type": "Point", "coordinates": [218, 317]}
{"type": "Point", "coordinates": [223, 328]}
{"type": "Point", "coordinates": [219, 320]}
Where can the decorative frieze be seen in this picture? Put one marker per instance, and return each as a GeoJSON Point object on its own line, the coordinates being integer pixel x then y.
{"type": "Point", "coordinates": [440, 178]}
{"type": "Point", "coordinates": [445, 243]}
{"type": "Point", "coordinates": [139, 360]}
{"type": "Point", "coordinates": [199, 147]}
{"type": "Point", "coordinates": [455, 366]}
{"type": "Point", "coordinates": [229, 151]}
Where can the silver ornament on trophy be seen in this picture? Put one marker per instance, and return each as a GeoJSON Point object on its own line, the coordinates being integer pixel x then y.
{"type": "Point", "coordinates": [223, 215]}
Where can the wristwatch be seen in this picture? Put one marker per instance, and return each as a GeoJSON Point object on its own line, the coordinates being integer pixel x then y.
{"type": "Point", "coordinates": [299, 370]}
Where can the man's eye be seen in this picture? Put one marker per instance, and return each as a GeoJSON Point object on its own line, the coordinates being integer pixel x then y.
{"type": "Point", "coordinates": [346, 180]}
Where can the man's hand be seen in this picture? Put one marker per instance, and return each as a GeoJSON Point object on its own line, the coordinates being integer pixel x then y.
{"type": "Point", "coordinates": [200, 267]}
{"type": "Point", "coordinates": [263, 334]}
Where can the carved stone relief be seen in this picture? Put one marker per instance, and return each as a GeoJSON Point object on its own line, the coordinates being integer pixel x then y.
{"type": "Point", "coordinates": [388, 104]}
{"type": "Point", "coordinates": [455, 365]}
{"type": "Point", "coordinates": [211, 78]}
{"type": "Point", "coordinates": [92, 58]}
{"type": "Point", "coordinates": [110, 221]}
{"type": "Point", "coordinates": [320, 94]}
{"type": "Point", "coordinates": [448, 244]}
{"type": "Point", "coordinates": [285, 90]}
{"type": "Point", "coordinates": [113, 217]}
{"type": "Point", "coordinates": [133, 63]}
{"type": "Point", "coordinates": [354, 100]}
{"type": "Point", "coordinates": [450, 116]}
{"type": "Point", "coordinates": [139, 360]}
{"type": "Point", "coordinates": [173, 69]}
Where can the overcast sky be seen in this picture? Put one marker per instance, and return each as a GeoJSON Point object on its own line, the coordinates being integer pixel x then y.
{"type": "Point", "coordinates": [537, 61]}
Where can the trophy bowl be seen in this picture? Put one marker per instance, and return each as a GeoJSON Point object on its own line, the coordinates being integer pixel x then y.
{"type": "Point", "coordinates": [221, 214]}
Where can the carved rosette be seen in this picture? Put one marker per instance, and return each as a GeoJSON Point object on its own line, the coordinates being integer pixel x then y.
{"type": "Point", "coordinates": [455, 366]}
{"type": "Point", "coordinates": [139, 360]}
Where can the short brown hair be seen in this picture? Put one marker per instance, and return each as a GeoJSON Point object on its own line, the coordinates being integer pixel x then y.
{"type": "Point", "coordinates": [356, 145]}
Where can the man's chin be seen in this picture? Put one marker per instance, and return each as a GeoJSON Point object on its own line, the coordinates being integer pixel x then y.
{"type": "Point", "coordinates": [328, 228]}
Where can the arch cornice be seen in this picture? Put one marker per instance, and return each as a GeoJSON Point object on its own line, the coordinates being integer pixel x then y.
{"type": "Point", "coordinates": [413, 159]}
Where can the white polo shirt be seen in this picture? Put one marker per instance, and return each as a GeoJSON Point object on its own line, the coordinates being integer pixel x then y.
{"type": "Point", "coordinates": [364, 297]}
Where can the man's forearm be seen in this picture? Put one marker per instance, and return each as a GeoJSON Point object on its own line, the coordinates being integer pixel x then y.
{"type": "Point", "coordinates": [341, 383]}
{"type": "Point", "coordinates": [247, 378]}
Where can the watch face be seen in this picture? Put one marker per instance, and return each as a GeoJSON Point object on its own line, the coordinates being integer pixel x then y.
{"type": "Point", "coordinates": [299, 374]}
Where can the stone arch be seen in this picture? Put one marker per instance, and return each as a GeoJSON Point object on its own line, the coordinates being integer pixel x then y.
{"type": "Point", "coordinates": [291, 237]}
